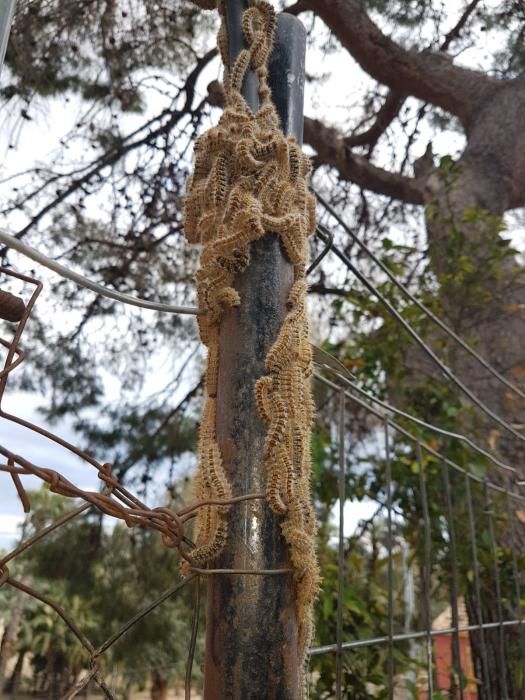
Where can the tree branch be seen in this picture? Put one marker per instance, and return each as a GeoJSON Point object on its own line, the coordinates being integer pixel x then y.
{"type": "Point", "coordinates": [428, 76]}
{"type": "Point", "coordinates": [296, 8]}
{"type": "Point", "coordinates": [394, 100]}
{"type": "Point", "coordinates": [322, 290]}
{"type": "Point", "coordinates": [384, 117]}
{"type": "Point", "coordinates": [455, 32]}
{"type": "Point", "coordinates": [332, 150]}
{"type": "Point", "coordinates": [166, 120]}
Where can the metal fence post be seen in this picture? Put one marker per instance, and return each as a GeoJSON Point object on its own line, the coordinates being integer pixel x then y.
{"type": "Point", "coordinates": [7, 10]}
{"type": "Point", "coordinates": [251, 627]}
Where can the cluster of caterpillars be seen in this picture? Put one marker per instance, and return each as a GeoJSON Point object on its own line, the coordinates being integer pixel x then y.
{"type": "Point", "coordinates": [249, 179]}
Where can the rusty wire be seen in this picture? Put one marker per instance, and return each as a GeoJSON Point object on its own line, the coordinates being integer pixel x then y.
{"type": "Point", "coordinates": [113, 500]}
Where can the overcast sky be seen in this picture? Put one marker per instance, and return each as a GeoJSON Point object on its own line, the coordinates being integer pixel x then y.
{"type": "Point", "coordinates": [40, 451]}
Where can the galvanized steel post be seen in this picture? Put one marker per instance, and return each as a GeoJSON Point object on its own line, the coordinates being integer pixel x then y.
{"type": "Point", "coordinates": [7, 10]}
{"type": "Point", "coordinates": [251, 626]}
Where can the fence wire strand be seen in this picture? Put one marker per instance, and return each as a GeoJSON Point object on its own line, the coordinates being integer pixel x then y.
{"type": "Point", "coordinates": [118, 502]}
{"type": "Point", "coordinates": [113, 500]}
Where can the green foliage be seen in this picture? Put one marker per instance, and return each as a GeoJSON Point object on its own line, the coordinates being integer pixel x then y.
{"type": "Point", "coordinates": [387, 364]}
{"type": "Point", "coordinates": [50, 51]}
{"type": "Point", "coordinates": [101, 578]}
{"type": "Point", "coordinates": [364, 617]}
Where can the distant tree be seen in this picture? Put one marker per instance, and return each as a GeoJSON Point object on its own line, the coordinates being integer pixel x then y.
{"type": "Point", "coordinates": [101, 579]}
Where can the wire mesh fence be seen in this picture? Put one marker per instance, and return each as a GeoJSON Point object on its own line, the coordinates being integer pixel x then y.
{"type": "Point", "coordinates": [451, 540]}
{"type": "Point", "coordinates": [113, 500]}
{"type": "Point", "coordinates": [449, 552]}
{"type": "Point", "coordinates": [437, 648]}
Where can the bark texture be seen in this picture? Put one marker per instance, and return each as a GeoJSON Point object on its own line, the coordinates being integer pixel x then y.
{"type": "Point", "coordinates": [427, 75]}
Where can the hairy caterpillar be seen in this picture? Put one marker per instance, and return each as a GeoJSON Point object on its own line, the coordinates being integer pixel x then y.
{"type": "Point", "coordinates": [248, 180]}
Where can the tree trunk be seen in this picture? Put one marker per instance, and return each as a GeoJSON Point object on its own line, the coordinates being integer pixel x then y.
{"type": "Point", "coordinates": [482, 297]}
{"type": "Point", "coordinates": [12, 685]}
{"type": "Point", "coordinates": [159, 687]}
{"type": "Point", "coordinates": [10, 634]}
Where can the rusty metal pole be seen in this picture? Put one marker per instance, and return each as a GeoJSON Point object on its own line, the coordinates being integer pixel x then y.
{"type": "Point", "coordinates": [251, 627]}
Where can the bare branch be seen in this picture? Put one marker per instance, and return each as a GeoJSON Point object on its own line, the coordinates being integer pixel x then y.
{"type": "Point", "coordinates": [297, 8]}
{"type": "Point", "coordinates": [322, 290]}
{"type": "Point", "coordinates": [394, 100]}
{"type": "Point", "coordinates": [428, 76]}
{"type": "Point", "coordinates": [332, 150]}
{"type": "Point", "coordinates": [455, 32]}
{"type": "Point", "coordinates": [166, 120]}
{"type": "Point", "coordinates": [384, 117]}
